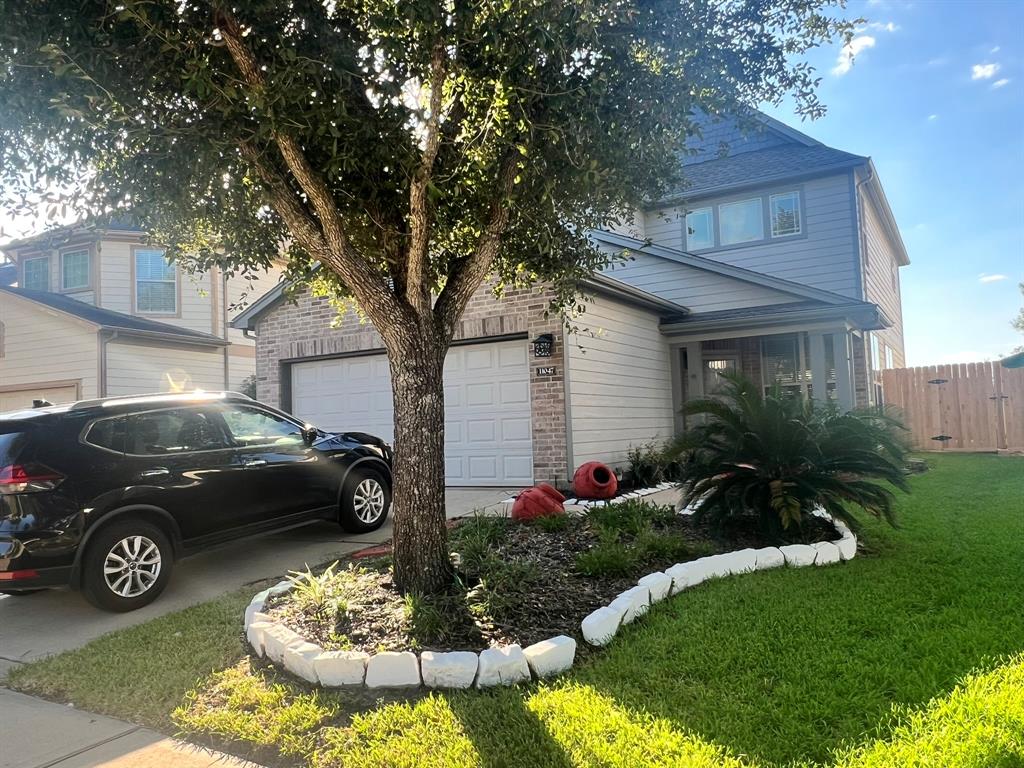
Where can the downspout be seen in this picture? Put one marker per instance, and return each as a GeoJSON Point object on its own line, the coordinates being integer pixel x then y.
{"type": "Point", "coordinates": [869, 364]}
{"type": "Point", "coordinates": [224, 325]}
{"type": "Point", "coordinates": [105, 340]}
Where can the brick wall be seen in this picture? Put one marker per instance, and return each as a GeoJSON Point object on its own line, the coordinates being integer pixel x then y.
{"type": "Point", "coordinates": [310, 327]}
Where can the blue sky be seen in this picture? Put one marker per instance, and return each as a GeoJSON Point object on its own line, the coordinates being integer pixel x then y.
{"type": "Point", "coordinates": [936, 97]}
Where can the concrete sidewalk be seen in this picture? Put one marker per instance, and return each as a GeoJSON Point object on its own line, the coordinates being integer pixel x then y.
{"type": "Point", "coordinates": [39, 734]}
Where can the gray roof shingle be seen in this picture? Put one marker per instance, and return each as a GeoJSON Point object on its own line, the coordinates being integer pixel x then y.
{"type": "Point", "coordinates": [760, 167]}
{"type": "Point", "coordinates": [107, 318]}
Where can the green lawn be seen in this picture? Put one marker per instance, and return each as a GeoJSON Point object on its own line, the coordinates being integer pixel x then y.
{"type": "Point", "coordinates": [908, 656]}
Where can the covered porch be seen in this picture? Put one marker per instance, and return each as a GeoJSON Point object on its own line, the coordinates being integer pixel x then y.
{"type": "Point", "coordinates": [805, 348]}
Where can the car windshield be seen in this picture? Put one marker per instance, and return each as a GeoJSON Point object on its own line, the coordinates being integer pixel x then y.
{"type": "Point", "coordinates": [251, 426]}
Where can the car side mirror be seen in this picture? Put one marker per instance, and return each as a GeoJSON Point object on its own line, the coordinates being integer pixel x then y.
{"type": "Point", "coordinates": [310, 434]}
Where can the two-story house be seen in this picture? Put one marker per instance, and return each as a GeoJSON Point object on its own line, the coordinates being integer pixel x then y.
{"type": "Point", "coordinates": [780, 259]}
{"type": "Point", "coordinates": [97, 312]}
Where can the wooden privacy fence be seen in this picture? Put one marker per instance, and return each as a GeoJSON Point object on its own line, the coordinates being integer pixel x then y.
{"type": "Point", "coordinates": [969, 407]}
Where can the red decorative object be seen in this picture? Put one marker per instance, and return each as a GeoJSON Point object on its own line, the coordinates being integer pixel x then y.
{"type": "Point", "coordinates": [540, 501]}
{"type": "Point", "coordinates": [594, 480]}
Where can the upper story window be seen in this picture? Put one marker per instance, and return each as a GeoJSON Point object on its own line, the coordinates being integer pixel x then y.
{"type": "Point", "coordinates": [741, 221]}
{"type": "Point", "coordinates": [156, 282]}
{"type": "Point", "coordinates": [700, 229]}
{"type": "Point", "coordinates": [785, 212]}
{"type": "Point", "coordinates": [37, 273]}
{"type": "Point", "coordinates": [74, 270]}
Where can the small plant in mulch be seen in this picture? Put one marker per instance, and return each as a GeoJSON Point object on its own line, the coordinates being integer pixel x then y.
{"type": "Point", "coordinates": [513, 582]}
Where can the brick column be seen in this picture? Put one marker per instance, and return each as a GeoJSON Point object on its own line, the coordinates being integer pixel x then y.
{"type": "Point", "coordinates": [547, 396]}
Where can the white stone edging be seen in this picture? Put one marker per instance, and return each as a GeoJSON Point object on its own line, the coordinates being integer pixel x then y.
{"type": "Point", "coordinates": [511, 664]}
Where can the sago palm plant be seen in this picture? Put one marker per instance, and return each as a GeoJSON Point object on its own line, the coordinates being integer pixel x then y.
{"type": "Point", "coordinates": [779, 457]}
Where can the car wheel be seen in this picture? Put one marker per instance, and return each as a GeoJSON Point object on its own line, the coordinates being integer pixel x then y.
{"type": "Point", "coordinates": [365, 501]}
{"type": "Point", "coordinates": [126, 566]}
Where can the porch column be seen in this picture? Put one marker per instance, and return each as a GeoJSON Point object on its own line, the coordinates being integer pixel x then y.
{"type": "Point", "coordinates": [819, 370]}
{"type": "Point", "coordinates": [844, 370]}
{"type": "Point", "coordinates": [694, 370]}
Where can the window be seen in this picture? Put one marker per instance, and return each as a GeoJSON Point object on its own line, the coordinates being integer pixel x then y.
{"type": "Point", "coordinates": [74, 270]}
{"type": "Point", "coordinates": [713, 370]}
{"type": "Point", "coordinates": [37, 274]}
{"type": "Point", "coordinates": [889, 359]}
{"type": "Point", "coordinates": [251, 426]}
{"type": "Point", "coordinates": [741, 222]}
{"type": "Point", "coordinates": [109, 434]}
{"type": "Point", "coordinates": [156, 282]}
{"type": "Point", "coordinates": [785, 210]}
{"type": "Point", "coordinates": [700, 232]}
{"type": "Point", "coordinates": [174, 431]}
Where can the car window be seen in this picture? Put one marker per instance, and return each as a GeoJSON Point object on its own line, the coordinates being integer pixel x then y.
{"type": "Point", "coordinates": [251, 426]}
{"type": "Point", "coordinates": [108, 433]}
{"type": "Point", "coordinates": [174, 431]}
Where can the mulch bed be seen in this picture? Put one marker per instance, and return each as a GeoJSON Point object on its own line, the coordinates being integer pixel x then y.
{"type": "Point", "coordinates": [536, 592]}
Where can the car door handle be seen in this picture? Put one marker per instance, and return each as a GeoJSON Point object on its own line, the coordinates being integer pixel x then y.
{"type": "Point", "coordinates": [254, 463]}
{"type": "Point", "coordinates": [155, 472]}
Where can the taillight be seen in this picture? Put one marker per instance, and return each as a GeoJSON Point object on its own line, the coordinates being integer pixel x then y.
{"type": "Point", "coordinates": [28, 478]}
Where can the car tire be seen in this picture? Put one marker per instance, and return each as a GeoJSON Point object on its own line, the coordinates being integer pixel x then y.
{"type": "Point", "coordinates": [365, 501]}
{"type": "Point", "coordinates": [126, 566]}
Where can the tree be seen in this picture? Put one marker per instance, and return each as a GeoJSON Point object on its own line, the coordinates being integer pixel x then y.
{"type": "Point", "coordinates": [411, 149]}
{"type": "Point", "coordinates": [1018, 321]}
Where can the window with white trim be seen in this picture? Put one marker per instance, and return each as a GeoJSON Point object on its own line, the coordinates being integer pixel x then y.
{"type": "Point", "coordinates": [741, 221]}
{"type": "Point", "coordinates": [785, 214]}
{"type": "Point", "coordinates": [700, 229]}
{"type": "Point", "coordinates": [156, 282]}
{"type": "Point", "coordinates": [37, 273]}
{"type": "Point", "coordinates": [74, 270]}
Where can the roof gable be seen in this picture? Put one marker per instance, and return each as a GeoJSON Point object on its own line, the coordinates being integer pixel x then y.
{"type": "Point", "coordinates": [721, 136]}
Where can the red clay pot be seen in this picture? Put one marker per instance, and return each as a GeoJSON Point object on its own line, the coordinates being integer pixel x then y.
{"type": "Point", "coordinates": [540, 501]}
{"type": "Point", "coordinates": [594, 480]}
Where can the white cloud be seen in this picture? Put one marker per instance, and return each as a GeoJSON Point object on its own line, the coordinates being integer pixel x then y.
{"type": "Point", "coordinates": [845, 60]}
{"type": "Point", "coordinates": [984, 71]}
{"type": "Point", "coordinates": [994, 49]}
{"type": "Point", "coordinates": [933, 118]}
{"type": "Point", "coordinates": [1001, 82]}
{"type": "Point", "coordinates": [888, 26]}
{"type": "Point", "coordinates": [984, 277]}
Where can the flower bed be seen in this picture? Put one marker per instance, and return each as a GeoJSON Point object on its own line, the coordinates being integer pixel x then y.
{"type": "Point", "coordinates": [527, 593]}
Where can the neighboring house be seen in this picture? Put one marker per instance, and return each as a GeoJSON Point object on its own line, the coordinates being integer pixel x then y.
{"type": "Point", "coordinates": [98, 312]}
{"type": "Point", "coordinates": [779, 260]}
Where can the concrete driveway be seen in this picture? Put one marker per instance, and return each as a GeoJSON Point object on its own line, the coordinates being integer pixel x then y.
{"type": "Point", "coordinates": [45, 623]}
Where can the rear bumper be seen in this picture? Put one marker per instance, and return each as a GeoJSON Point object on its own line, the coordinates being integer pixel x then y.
{"type": "Point", "coordinates": [18, 580]}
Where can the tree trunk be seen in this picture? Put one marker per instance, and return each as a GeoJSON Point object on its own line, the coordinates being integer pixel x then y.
{"type": "Point", "coordinates": [421, 561]}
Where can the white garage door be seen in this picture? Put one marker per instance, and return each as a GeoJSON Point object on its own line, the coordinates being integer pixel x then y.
{"type": "Point", "coordinates": [487, 407]}
{"type": "Point", "coordinates": [22, 398]}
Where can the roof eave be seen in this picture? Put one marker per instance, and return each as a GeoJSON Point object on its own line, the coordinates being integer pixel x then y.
{"type": "Point", "coordinates": [862, 316]}
{"type": "Point", "coordinates": [616, 289]}
{"type": "Point", "coordinates": [175, 338]}
{"type": "Point", "coordinates": [888, 217]}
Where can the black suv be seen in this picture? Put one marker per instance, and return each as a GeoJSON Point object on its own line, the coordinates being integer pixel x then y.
{"type": "Point", "coordinates": [104, 495]}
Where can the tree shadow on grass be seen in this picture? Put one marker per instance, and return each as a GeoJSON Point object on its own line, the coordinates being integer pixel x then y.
{"type": "Point", "coordinates": [504, 731]}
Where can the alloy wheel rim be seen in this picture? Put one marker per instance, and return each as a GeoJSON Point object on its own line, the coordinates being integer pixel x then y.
{"type": "Point", "coordinates": [132, 566]}
{"type": "Point", "coordinates": [368, 500]}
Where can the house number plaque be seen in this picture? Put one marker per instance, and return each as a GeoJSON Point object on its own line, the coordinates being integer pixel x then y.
{"type": "Point", "coordinates": [547, 370]}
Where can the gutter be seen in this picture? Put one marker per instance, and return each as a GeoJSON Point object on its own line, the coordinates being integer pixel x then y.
{"type": "Point", "coordinates": [869, 313]}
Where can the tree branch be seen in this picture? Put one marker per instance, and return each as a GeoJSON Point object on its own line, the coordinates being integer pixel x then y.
{"type": "Point", "coordinates": [470, 272]}
{"type": "Point", "coordinates": [367, 285]}
{"type": "Point", "coordinates": [417, 291]}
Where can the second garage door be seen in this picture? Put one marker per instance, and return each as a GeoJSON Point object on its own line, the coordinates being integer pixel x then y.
{"type": "Point", "coordinates": [487, 407]}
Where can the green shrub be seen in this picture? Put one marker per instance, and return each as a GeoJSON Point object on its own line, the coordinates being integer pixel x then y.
{"type": "Point", "coordinates": [652, 463]}
{"type": "Point", "coordinates": [316, 594]}
{"type": "Point", "coordinates": [632, 516]}
{"type": "Point", "coordinates": [552, 523]}
{"type": "Point", "coordinates": [779, 457]}
{"type": "Point", "coordinates": [610, 557]}
{"type": "Point", "coordinates": [652, 545]}
{"type": "Point", "coordinates": [476, 540]}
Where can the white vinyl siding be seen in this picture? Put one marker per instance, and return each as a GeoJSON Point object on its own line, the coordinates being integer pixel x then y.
{"type": "Point", "coordinates": [156, 283]}
{"type": "Point", "coordinates": [37, 273]}
{"type": "Point", "coordinates": [697, 289]}
{"type": "Point", "coordinates": [136, 369]}
{"type": "Point", "coordinates": [74, 270]}
{"type": "Point", "coordinates": [42, 345]}
{"type": "Point", "coordinates": [880, 285]}
{"type": "Point", "coordinates": [741, 221]}
{"type": "Point", "coordinates": [784, 210]}
{"type": "Point", "coordinates": [620, 382]}
{"type": "Point", "coordinates": [823, 256]}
